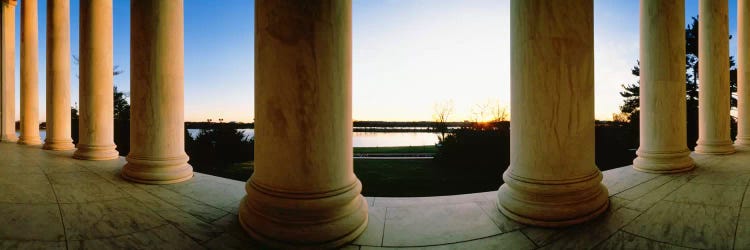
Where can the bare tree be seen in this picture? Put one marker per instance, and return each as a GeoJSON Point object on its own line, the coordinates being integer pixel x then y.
{"type": "Point", "coordinates": [443, 111]}
{"type": "Point", "coordinates": [490, 110]}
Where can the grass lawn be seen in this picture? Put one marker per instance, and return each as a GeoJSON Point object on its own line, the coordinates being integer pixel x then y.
{"type": "Point", "coordinates": [403, 178]}
{"type": "Point", "coordinates": [392, 150]}
{"type": "Point", "coordinates": [409, 178]}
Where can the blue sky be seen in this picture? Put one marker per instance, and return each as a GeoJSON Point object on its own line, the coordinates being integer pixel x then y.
{"type": "Point", "coordinates": [408, 55]}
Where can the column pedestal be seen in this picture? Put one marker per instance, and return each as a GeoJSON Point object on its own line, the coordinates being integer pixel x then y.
{"type": "Point", "coordinates": [8, 72]}
{"type": "Point", "coordinates": [663, 131]}
{"type": "Point", "coordinates": [743, 76]}
{"type": "Point", "coordinates": [29, 74]}
{"type": "Point", "coordinates": [96, 121]}
{"type": "Point", "coordinates": [58, 76]}
{"type": "Point", "coordinates": [714, 103]}
{"type": "Point", "coordinates": [303, 193]}
{"type": "Point", "coordinates": [157, 124]}
{"type": "Point", "coordinates": [552, 180]}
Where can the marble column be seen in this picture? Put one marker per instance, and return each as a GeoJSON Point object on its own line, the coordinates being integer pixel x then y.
{"type": "Point", "coordinates": [663, 130]}
{"type": "Point", "coordinates": [743, 75]}
{"type": "Point", "coordinates": [157, 142]}
{"type": "Point", "coordinates": [58, 76]}
{"type": "Point", "coordinates": [29, 74]}
{"type": "Point", "coordinates": [303, 193]}
{"type": "Point", "coordinates": [713, 101]}
{"type": "Point", "coordinates": [552, 180]}
{"type": "Point", "coordinates": [8, 73]}
{"type": "Point", "coordinates": [96, 120]}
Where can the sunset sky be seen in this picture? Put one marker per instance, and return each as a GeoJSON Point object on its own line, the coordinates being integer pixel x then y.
{"type": "Point", "coordinates": [408, 55]}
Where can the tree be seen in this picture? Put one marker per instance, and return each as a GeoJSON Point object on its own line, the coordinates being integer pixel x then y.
{"type": "Point", "coordinates": [630, 106]}
{"type": "Point", "coordinates": [122, 107]}
{"type": "Point", "coordinates": [442, 112]}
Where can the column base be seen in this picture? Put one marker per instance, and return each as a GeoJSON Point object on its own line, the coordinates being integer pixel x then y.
{"type": "Point", "coordinates": [723, 147]}
{"type": "Point", "coordinates": [157, 170]}
{"type": "Point", "coordinates": [281, 219]}
{"type": "Point", "coordinates": [96, 152]}
{"type": "Point", "coordinates": [663, 162]}
{"type": "Point", "coordinates": [9, 138]}
{"type": "Point", "coordinates": [552, 203]}
{"type": "Point", "coordinates": [58, 145]}
{"type": "Point", "coordinates": [742, 141]}
{"type": "Point", "coordinates": [33, 140]}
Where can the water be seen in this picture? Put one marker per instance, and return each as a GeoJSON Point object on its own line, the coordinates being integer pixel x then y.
{"type": "Point", "coordinates": [360, 139]}
{"type": "Point", "coordinates": [372, 139]}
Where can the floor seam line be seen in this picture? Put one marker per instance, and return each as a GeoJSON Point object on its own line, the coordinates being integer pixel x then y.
{"type": "Point", "coordinates": [652, 205]}
{"type": "Point", "coordinates": [663, 242]}
{"type": "Point", "coordinates": [385, 218]}
{"type": "Point", "coordinates": [59, 209]}
{"type": "Point", "coordinates": [737, 225]}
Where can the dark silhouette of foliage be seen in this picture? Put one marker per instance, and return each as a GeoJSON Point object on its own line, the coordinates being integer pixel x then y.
{"type": "Point", "coordinates": [218, 148]}
{"type": "Point", "coordinates": [479, 146]}
{"type": "Point", "coordinates": [122, 107]}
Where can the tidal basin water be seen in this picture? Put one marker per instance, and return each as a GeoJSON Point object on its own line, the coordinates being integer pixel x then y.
{"type": "Point", "coordinates": [373, 139]}
{"type": "Point", "coordinates": [360, 139]}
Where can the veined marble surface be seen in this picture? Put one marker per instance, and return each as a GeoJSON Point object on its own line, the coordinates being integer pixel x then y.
{"type": "Point", "coordinates": [50, 201]}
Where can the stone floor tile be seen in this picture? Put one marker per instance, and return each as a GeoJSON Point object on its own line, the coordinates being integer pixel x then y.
{"type": "Point", "coordinates": [502, 222]}
{"type": "Point", "coordinates": [645, 202]}
{"type": "Point", "coordinates": [373, 234]}
{"type": "Point", "coordinates": [616, 203]}
{"type": "Point", "coordinates": [30, 245]}
{"type": "Point", "coordinates": [644, 188]}
{"type": "Point", "coordinates": [623, 240]}
{"type": "Point", "coordinates": [708, 194]}
{"type": "Point", "coordinates": [228, 241]}
{"type": "Point", "coordinates": [26, 188]}
{"type": "Point", "coordinates": [543, 236]}
{"type": "Point", "coordinates": [721, 178]}
{"type": "Point", "coordinates": [107, 219]}
{"type": "Point", "coordinates": [83, 187]}
{"type": "Point", "coordinates": [682, 224]}
{"type": "Point", "coordinates": [589, 234]}
{"type": "Point", "coordinates": [425, 201]}
{"type": "Point", "coordinates": [434, 225]}
{"type": "Point", "coordinates": [31, 222]}
{"type": "Point", "coordinates": [193, 227]}
{"type": "Point", "coordinates": [148, 199]}
{"type": "Point", "coordinates": [621, 179]}
{"type": "Point", "coordinates": [163, 237]}
{"type": "Point", "coordinates": [210, 191]}
{"type": "Point", "coordinates": [58, 165]}
{"type": "Point", "coordinates": [370, 201]}
{"type": "Point", "coordinates": [743, 230]}
{"type": "Point", "coordinates": [746, 198]}
{"type": "Point", "coordinates": [197, 208]}
{"type": "Point", "coordinates": [19, 166]}
{"type": "Point", "coordinates": [513, 240]}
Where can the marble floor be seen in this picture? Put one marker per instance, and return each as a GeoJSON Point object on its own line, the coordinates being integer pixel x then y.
{"type": "Point", "coordinates": [50, 201]}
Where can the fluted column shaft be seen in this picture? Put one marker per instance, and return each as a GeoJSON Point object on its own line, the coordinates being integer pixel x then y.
{"type": "Point", "coordinates": [58, 76]}
{"type": "Point", "coordinates": [8, 73]}
{"type": "Point", "coordinates": [29, 74]}
{"type": "Point", "coordinates": [663, 131]}
{"type": "Point", "coordinates": [713, 101]}
{"type": "Point", "coordinates": [552, 179]}
{"type": "Point", "coordinates": [157, 143]}
{"type": "Point", "coordinates": [743, 74]}
{"type": "Point", "coordinates": [303, 113]}
{"type": "Point", "coordinates": [96, 120]}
